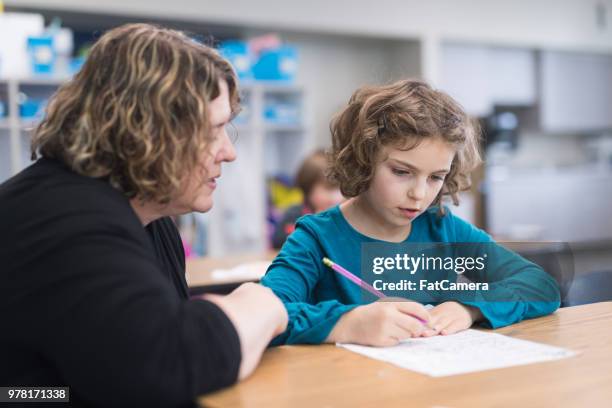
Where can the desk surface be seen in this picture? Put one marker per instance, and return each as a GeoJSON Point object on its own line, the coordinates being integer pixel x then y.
{"type": "Point", "coordinates": [200, 270]}
{"type": "Point", "coordinates": [317, 376]}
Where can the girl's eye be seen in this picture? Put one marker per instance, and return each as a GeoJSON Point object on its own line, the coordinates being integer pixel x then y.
{"type": "Point", "coordinates": [438, 178]}
{"type": "Point", "coordinates": [399, 172]}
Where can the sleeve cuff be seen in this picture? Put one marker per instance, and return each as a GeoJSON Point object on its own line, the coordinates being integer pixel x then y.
{"type": "Point", "coordinates": [225, 344]}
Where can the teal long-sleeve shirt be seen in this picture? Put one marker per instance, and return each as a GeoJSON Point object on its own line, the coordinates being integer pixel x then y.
{"type": "Point", "coordinates": [316, 297]}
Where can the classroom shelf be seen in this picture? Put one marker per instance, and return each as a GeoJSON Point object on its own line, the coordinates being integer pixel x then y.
{"type": "Point", "coordinates": [6, 124]}
{"type": "Point", "coordinates": [272, 87]}
{"type": "Point", "coordinates": [13, 129]}
{"type": "Point", "coordinates": [237, 222]}
{"type": "Point", "coordinates": [280, 127]}
{"type": "Point", "coordinates": [37, 80]}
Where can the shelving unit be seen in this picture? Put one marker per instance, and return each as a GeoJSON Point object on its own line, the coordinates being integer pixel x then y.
{"type": "Point", "coordinates": [237, 223]}
{"type": "Point", "coordinates": [343, 51]}
{"type": "Point", "coordinates": [264, 149]}
{"type": "Point", "coordinates": [14, 145]}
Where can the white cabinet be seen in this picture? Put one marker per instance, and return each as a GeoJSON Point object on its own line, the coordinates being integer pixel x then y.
{"type": "Point", "coordinates": [575, 91]}
{"type": "Point", "coordinates": [571, 91]}
{"type": "Point", "coordinates": [480, 77]}
{"type": "Point", "coordinates": [569, 205]}
{"type": "Point", "coordinates": [512, 76]}
{"type": "Point", "coordinates": [464, 77]}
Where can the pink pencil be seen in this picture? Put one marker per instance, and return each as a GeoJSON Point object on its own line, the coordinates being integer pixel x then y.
{"type": "Point", "coordinates": [360, 282]}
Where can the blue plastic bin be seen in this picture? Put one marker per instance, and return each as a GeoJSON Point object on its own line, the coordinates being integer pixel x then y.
{"type": "Point", "coordinates": [282, 113]}
{"type": "Point", "coordinates": [42, 54]}
{"type": "Point", "coordinates": [237, 53]}
{"type": "Point", "coordinates": [277, 65]}
{"type": "Point", "coordinates": [31, 108]}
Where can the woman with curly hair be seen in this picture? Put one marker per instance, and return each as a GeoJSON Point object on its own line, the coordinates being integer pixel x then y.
{"type": "Point", "coordinates": [397, 150]}
{"type": "Point", "coordinates": [92, 281]}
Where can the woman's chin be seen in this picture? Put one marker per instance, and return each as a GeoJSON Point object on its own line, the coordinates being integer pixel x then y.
{"type": "Point", "coordinates": [202, 205]}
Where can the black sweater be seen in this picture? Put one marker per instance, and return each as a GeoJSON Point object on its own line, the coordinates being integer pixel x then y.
{"type": "Point", "coordinates": [92, 300]}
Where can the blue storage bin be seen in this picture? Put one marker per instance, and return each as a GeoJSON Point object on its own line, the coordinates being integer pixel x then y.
{"type": "Point", "coordinates": [42, 54]}
{"type": "Point", "coordinates": [277, 65]}
{"type": "Point", "coordinates": [237, 53]}
{"type": "Point", "coordinates": [282, 113]}
{"type": "Point", "coordinates": [31, 108]}
{"type": "Point", "coordinates": [76, 64]}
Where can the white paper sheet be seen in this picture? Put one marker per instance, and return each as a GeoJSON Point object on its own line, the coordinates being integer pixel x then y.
{"type": "Point", "coordinates": [244, 272]}
{"type": "Point", "coordinates": [464, 352]}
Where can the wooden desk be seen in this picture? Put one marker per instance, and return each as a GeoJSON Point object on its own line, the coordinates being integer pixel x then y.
{"type": "Point", "coordinates": [199, 271]}
{"type": "Point", "coordinates": [327, 376]}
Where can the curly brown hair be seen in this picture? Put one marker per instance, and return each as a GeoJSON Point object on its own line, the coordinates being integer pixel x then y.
{"type": "Point", "coordinates": [401, 114]}
{"type": "Point", "coordinates": [136, 114]}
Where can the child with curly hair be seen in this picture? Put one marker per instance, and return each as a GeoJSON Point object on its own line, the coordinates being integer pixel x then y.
{"type": "Point", "coordinates": [397, 150]}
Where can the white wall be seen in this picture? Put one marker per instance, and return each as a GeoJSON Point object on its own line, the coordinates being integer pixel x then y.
{"type": "Point", "coordinates": [566, 24]}
{"type": "Point", "coordinates": [332, 67]}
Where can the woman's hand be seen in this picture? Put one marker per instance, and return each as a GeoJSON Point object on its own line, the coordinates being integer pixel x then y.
{"type": "Point", "coordinates": [380, 324]}
{"type": "Point", "coordinates": [451, 317]}
{"type": "Point", "coordinates": [253, 294]}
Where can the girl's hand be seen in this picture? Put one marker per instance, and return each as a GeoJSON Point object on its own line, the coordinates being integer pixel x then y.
{"type": "Point", "coordinates": [380, 324]}
{"type": "Point", "coordinates": [451, 317]}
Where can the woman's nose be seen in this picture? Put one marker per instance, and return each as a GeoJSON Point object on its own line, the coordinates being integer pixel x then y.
{"type": "Point", "coordinates": [227, 152]}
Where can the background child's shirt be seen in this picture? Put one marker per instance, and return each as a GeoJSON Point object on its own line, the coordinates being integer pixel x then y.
{"type": "Point", "coordinates": [286, 225]}
{"type": "Point", "coordinates": [316, 296]}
